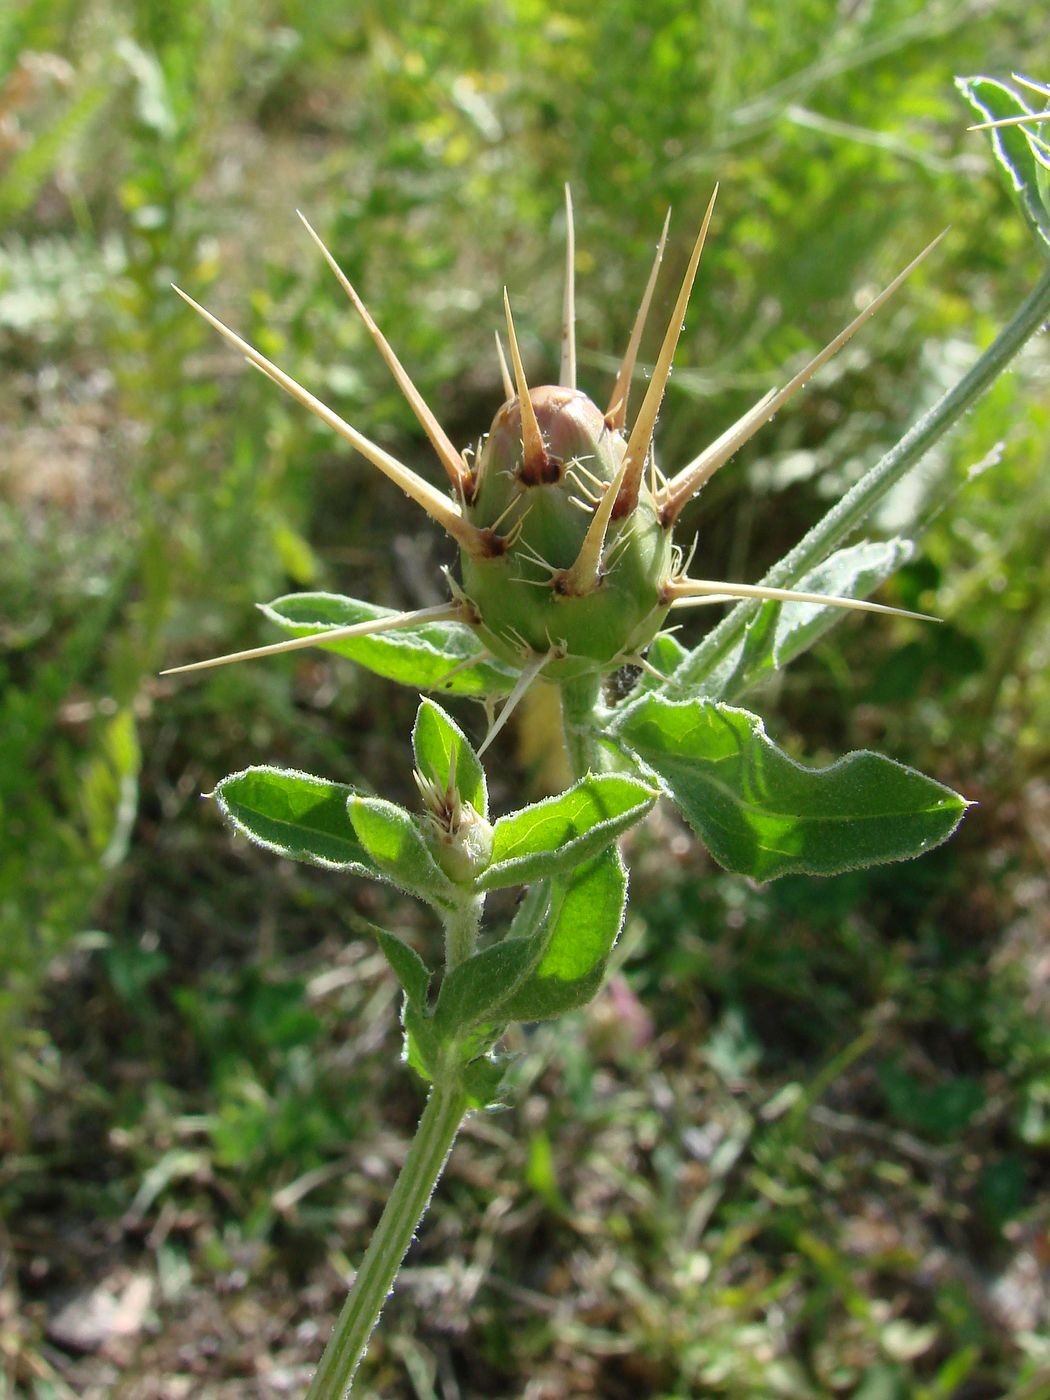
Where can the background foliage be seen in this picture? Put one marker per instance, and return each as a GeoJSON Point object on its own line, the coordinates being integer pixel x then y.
{"type": "Point", "coordinates": [799, 1146]}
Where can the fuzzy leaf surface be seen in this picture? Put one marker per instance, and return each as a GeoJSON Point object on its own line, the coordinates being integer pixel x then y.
{"type": "Point", "coordinates": [420, 1050]}
{"type": "Point", "coordinates": [780, 632]}
{"type": "Point", "coordinates": [483, 1080]}
{"type": "Point", "coordinates": [587, 918]}
{"type": "Point", "coordinates": [1022, 151]}
{"type": "Point", "coordinates": [762, 814]}
{"type": "Point", "coordinates": [436, 737]}
{"type": "Point", "coordinates": [561, 832]}
{"type": "Point", "coordinates": [473, 991]}
{"type": "Point", "coordinates": [295, 815]}
{"type": "Point", "coordinates": [853, 572]}
{"type": "Point", "coordinates": [420, 656]}
{"type": "Point", "coordinates": [395, 844]}
{"type": "Point", "coordinates": [408, 967]}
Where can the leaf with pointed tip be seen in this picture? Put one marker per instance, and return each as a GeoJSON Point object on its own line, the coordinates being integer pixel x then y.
{"type": "Point", "coordinates": [561, 832]}
{"type": "Point", "coordinates": [436, 737]}
{"type": "Point", "coordinates": [295, 815]}
{"type": "Point", "coordinates": [420, 656]}
{"type": "Point", "coordinates": [408, 967]}
{"type": "Point", "coordinates": [396, 845]}
{"type": "Point", "coordinates": [587, 918]}
{"type": "Point", "coordinates": [1020, 150]}
{"type": "Point", "coordinates": [762, 814]}
{"type": "Point", "coordinates": [471, 994]}
{"type": "Point", "coordinates": [780, 632]}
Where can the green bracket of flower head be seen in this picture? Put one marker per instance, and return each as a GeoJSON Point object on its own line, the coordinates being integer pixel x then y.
{"type": "Point", "coordinates": [567, 560]}
{"type": "Point", "coordinates": [1022, 150]}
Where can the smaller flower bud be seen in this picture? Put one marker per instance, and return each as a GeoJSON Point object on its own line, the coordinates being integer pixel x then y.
{"type": "Point", "coordinates": [460, 839]}
{"type": "Point", "coordinates": [465, 852]}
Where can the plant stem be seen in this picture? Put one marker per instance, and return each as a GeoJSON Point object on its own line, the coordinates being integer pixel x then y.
{"type": "Point", "coordinates": [846, 515]}
{"type": "Point", "coordinates": [579, 701]}
{"type": "Point", "coordinates": [374, 1280]}
{"type": "Point", "coordinates": [461, 931]}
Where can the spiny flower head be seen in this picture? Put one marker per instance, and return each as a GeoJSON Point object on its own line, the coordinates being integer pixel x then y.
{"type": "Point", "coordinates": [563, 519]}
{"type": "Point", "coordinates": [460, 837]}
{"type": "Point", "coordinates": [558, 585]}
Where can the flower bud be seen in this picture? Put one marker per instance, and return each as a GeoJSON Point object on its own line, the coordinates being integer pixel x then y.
{"type": "Point", "coordinates": [594, 596]}
{"type": "Point", "coordinates": [459, 837]}
{"type": "Point", "coordinates": [465, 852]}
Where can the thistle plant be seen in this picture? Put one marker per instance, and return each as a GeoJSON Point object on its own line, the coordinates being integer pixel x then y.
{"type": "Point", "coordinates": [569, 571]}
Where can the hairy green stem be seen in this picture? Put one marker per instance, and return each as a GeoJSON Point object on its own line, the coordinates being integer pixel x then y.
{"type": "Point", "coordinates": [861, 500]}
{"type": "Point", "coordinates": [580, 699]}
{"type": "Point", "coordinates": [374, 1280]}
{"type": "Point", "coordinates": [461, 930]}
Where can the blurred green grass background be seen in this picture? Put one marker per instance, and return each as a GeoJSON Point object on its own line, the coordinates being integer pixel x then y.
{"type": "Point", "coordinates": [800, 1146]}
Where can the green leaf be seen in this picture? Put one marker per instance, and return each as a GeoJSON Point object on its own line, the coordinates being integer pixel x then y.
{"type": "Point", "coordinates": [532, 911]}
{"type": "Point", "coordinates": [854, 572]}
{"type": "Point", "coordinates": [296, 815]}
{"type": "Point", "coordinates": [552, 961]}
{"type": "Point", "coordinates": [665, 652]}
{"type": "Point", "coordinates": [762, 814]}
{"type": "Point", "coordinates": [409, 968]}
{"type": "Point", "coordinates": [483, 1080]}
{"type": "Point", "coordinates": [779, 632]}
{"type": "Point", "coordinates": [435, 738]}
{"type": "Point", "coordinates": [420, 1047]}
{"type": "Point", "coordinates": [664, 655]}
{"type": "Point", "coordinates": [473, 991]}
{"type": "Point", "coordinates": [587, 918]}
{"type": "Point", "coordinates": [420, 656]}
{"type": "Point", "coordinates": [751, 658]}
{"type": "Point", "coordinates": [1022, 151]}
{"type": "Point", "coordinates": [395, 844]}
{"type": "Point", "coordinates": [561, 832]}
